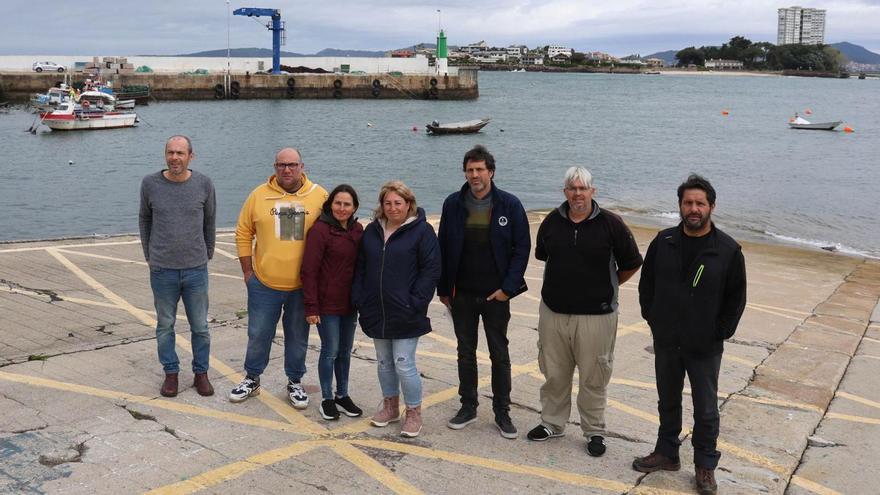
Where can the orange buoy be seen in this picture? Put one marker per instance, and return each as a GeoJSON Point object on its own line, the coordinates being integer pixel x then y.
{"type": "Point", "coordinates": [848, 129]}
{"type": "Point", "coordinates": [808, 112]}
{"type": "Point", "coordinates": [725, 112]}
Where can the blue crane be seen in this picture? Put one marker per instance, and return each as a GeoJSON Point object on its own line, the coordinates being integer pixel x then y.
{"type": "Point", "coordinates": [277, 29]}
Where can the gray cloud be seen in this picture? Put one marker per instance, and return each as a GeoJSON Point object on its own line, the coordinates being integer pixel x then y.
{"type": "Point", "coordinates": [620, 27]}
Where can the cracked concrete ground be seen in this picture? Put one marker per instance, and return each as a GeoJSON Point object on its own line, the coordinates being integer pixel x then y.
{"type": "Point", "coordinates": [80, 411]}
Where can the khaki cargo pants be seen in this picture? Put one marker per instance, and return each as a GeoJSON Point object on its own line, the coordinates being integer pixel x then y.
{"type": "Point", "coordinates": [566, 341]}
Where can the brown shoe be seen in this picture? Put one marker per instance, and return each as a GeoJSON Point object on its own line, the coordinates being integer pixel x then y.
{"type": "Point", "coordinates": [412, 424]}
{"type": "Point", "coordinates": [655, 461]}
{"type": "Point", "coordinates": [203, 386]}
{"type": "Point", "coordinates": [389, 412]}
{"type": "Point", "coordinates": [705, 478]}
{"type": "Point", "coordinates": [169, 386]}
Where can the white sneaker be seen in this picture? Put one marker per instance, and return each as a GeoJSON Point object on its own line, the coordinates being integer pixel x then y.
{"type": "Point", "coordinates": [247, 388]}
{"type": "Point", "coordinates": [297, 395]}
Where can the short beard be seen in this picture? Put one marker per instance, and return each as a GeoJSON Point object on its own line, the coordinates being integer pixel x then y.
{"type": "Point", "coordinates": [702, 223]}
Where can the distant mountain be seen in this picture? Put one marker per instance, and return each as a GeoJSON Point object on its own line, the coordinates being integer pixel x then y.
{"type": "Point", "coordinates": [335, 52]}
{"type": "Point", "coordinates": [856, 53]}
{"type": "Point", "coordinates": [668, 57]}
{"type": "Point", "coordinates": [240, 52]}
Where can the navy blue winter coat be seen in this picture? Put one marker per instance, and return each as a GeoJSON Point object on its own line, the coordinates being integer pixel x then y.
{"type": "Point", "coordinates": [394, 282]}
{"type": "Point", "coordinates": [508, 235]}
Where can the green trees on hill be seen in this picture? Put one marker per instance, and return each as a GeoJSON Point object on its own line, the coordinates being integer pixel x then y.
{"type": "Point", "coordinates": [763, 55]}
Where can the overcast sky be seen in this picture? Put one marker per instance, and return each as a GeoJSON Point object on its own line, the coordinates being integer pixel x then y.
{"type": "Point", "coordinates": [619, 27]}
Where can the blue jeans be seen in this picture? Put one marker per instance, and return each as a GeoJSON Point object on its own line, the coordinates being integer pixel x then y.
{"type": "Point", "coordinates": [169, 286]}
{"type": "Point", "coordinates": [337, 337]}
{"type": "Point", "coordinates": [265, 306]}
{"type": "Point", "coordinates": [397, 369]}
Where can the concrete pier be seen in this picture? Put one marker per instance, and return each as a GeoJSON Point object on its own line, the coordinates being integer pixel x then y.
{"type": "Point", "coordinates": [80, 411]}
{"type": "Point", "coordinates": [20, 86]}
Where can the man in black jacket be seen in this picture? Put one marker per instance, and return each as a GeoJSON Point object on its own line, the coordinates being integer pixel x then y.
{"type": "Point", "coordinates": [692, 293]}
{"type": "Point", "coordinates": [485, 244]}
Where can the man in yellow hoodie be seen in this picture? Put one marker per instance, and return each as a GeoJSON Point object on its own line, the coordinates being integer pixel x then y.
{"type": "Point", "coordinates": [271, 238]}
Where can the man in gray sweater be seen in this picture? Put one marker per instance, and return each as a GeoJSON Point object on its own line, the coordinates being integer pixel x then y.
{"type": "Point", "coordinates": [176, 220]}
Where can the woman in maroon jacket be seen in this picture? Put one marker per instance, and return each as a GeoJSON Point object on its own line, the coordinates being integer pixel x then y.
{"type": "Point", "coordinates": [327, 271]}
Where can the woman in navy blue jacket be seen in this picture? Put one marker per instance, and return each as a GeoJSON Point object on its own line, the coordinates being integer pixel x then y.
{"type": "Point", "coordinates": [397, 271]}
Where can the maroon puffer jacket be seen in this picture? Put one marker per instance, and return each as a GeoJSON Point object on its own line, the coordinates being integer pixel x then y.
{"type": "Point", "coordinates": [328, 266]}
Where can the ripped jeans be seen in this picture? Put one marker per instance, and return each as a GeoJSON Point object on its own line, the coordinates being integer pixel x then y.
{"type": "Point", "coordinates": [397, 369]}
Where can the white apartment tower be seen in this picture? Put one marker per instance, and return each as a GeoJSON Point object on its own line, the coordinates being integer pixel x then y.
{"type": "Point", "coordinates": [799, 25]}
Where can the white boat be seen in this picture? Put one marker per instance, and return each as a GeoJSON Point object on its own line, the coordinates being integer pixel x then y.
{"type": "Point", "coordinates": [51, 98]}
{"type": "Point", "coordinates": [798, 122]}
{"type": "Point", "coordinates": [68, 118]}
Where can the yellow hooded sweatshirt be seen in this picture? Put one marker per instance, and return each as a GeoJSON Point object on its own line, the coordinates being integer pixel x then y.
{"type": "Point", "coordinates": [278, 221]}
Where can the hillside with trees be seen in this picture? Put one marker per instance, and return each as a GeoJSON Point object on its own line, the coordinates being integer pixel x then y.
{"type": "Point", "coordinates": [766, 56]}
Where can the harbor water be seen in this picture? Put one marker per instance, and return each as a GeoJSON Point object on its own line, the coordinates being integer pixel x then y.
{"type": "Point", "coordinates": [640, 135]}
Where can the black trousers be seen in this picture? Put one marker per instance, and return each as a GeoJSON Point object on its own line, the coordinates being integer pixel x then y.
{"type": "Point", "coordinates": [702, 371]}
{"type": "Point", "coordinates": [466, 312]}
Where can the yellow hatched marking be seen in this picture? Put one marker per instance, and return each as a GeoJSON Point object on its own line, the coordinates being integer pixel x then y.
{"type": "Point", "coordinates": [224, 243]}
{"type": "Point", "coordinates": [813, 486]}
{"type": "Point", "coordinates": [151, 402]}
{"type": "Point", "coordinates": [496, 465]}
{"type": "Point", "coordinates": [776, 308]}
{"type": "Point", "coordinates": [374, 469]}
{"type": "Point", "coordinates": [854, 419]}
{"type": "Point", "coordinates": [737, 359]}
{"type": "Point", "coordinates": [775, 313]}
{"type": "Point", "coordinates": [869, 339]}
{"type": "Point", "coordinates": [859, 399]}
{"type": "Point", "coordinates": [529, 296]}
{"type": "Point", "coordinates": [236, 469]}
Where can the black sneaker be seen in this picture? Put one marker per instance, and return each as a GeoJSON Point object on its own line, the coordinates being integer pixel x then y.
{"type": "Point", "coordinates": [505, 425]}
{"type": "Point", "coordinates": [596, 446]}
{"type": "Point", "coordinates": [465, 416]}
{"type": "Point", "coordinates": [348, 407]}
{"type": "Point", "coordinates": [541, 433]}
{"type": "Point", "coordinates": [328, 410]}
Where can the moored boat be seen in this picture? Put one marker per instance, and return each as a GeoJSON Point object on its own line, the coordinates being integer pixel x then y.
{"type": "Point", "coordinates": [467, 127]}
{"type": "Point", "coordinates": [67, 118]}
{"type": "Point", "coordinates": [798, 122]}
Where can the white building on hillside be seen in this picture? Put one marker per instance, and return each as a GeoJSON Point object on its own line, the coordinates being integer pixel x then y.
{"type": "Point", "coordinates": [800, 25]}
{"type": "Point", "coordinates": [554, 50]}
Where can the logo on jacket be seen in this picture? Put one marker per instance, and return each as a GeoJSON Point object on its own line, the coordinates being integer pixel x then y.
{"type": "Point", "coordinates": [502, 221]}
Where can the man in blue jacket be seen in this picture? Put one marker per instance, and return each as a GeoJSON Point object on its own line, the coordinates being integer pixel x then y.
{"type": "Point", "coordinates": [484, 244]}
{"type": "Point", "coordinates": [692, 293]}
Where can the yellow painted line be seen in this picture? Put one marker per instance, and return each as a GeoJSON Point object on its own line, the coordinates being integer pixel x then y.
{"type": "Point", "coordinates": [74, 300]}
{"type": "Point", "coordinates": [781, 403]}
{"type": "Point", "coordinates": [529, 296]}
{"type": "Point", "coordinates": [775, 313]}
{"type": "Point", "coordinates": [737, 359]}
{"type": "Point", "coordinates": [178, 407]}
{"type": "Point", "coordinates": [854, 419]}
{"type": "Point", "coordinates": [223, 243]}
{"type": "Point", "coordinates": [813, 486]}
{"type": "Point", "coordinates": [868, 356]}
{"type": "Point", "coordinates": [629, 410]}
{"type": "Point", "coordinates": [860, 400]}
{"type": "Point", "coordinates": [67, 246]}
{"type": "Point", "coordinates": [497, 465]}
{"type": "Point", "coordinates": [225, 253]}
{"type": "Point", "coordinates": [374, 469]}
{"type": "Point", "coordinates": [236, 469]}
{"type": "Point", "coordinates": [776, 308]}
{"type": "Point", "coordinates": [640, 327]}
{"type": "Point", "coordinates": [537, 279]}
{"type": "Point", "coordinates": [869, 339]}
{"type": "Point", "coordinates": [104, 291]}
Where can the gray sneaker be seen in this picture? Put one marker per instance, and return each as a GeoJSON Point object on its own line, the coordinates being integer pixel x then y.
{"type": "Point", "coordinates": [297, 395]}
{"type": "Point", "coordinates": [249, 387]}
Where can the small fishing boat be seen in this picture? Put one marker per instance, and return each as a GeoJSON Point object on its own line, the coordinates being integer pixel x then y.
{"type": "Point", "coordinates": [51, 98]}
{"type": "Point", "coordinates": [467, 127]}
{"type": "Point", "coordinates": [69, 118]}
{"type": "Point", "coordinates": [798, 122]}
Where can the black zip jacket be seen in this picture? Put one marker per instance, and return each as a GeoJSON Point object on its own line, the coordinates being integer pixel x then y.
{"type": "Point", "coordinates": [695, 313]}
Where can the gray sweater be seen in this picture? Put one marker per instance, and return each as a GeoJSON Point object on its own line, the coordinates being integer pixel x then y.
{"type": "Point", "coordinates": [176, 221]}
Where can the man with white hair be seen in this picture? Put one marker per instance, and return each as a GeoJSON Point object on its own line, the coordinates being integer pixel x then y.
{"type": "Point", "coordinates": [589, 252]}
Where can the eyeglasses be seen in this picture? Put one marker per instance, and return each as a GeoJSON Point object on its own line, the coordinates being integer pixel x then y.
{"type": "Point", "coordinates": [579, 189]}
{"type": "Point", "coordinates": [282, 166]}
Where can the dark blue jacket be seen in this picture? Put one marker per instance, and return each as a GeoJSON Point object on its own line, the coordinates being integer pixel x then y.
{"type": "Point", "coordinates": [394, 282]}
{"type": "Point", "coordinates": [508, 234]}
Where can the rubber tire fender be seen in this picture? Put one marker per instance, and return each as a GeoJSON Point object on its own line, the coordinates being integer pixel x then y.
{"type": "Point", "coordinates": [377, 83]}
{"type": "Point", "coordinates": [290, 82]}
{"type": "Point", "coordinates": [337, 83]}
{"type": "Point", "coordinates": [433, 82]}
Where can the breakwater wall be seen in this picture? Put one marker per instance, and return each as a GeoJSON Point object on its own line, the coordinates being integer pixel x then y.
{"type": "Point", "coordinates": [20, 86]}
